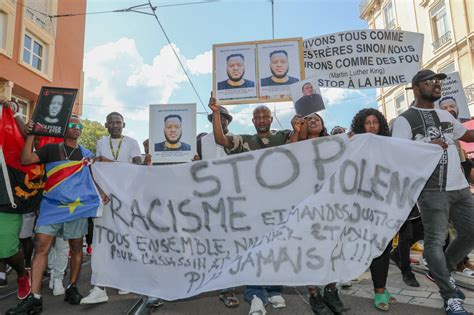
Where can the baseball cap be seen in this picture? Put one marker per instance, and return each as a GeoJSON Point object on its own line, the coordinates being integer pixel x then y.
{"type": "Point", "coordinates": [424, 75]}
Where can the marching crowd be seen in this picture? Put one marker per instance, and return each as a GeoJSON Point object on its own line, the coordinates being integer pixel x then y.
{"type": "Point", "coordinates": [443, 216]}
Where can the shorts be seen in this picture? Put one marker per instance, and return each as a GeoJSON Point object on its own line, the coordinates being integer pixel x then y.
{"type": "Point", "coordinates": [10, 224]}
{"type": "Point", "coordinates": [27, 225]}
{"type": "Point", "coordinates": [67, 230]}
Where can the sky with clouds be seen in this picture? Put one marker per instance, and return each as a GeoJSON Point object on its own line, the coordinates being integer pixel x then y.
{"type": "Point", "coordinates": [128, 63]}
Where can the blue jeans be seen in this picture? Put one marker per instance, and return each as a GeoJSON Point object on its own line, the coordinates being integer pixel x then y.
{"type": "Point", "coordinates": [437, 208]}
{"type": "Point", "coordinates": [262, 292]}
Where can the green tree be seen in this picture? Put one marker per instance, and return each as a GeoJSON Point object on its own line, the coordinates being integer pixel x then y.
{"type": "Point", "coordinates": [93, 131]}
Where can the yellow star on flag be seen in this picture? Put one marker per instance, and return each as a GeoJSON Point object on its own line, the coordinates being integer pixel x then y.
{"type": "Point", "coordinates": [73, 205]}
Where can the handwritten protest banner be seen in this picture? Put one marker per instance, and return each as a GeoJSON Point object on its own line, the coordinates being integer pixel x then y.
{"type": "Point", "coordinates": [312, 212]}
{"type": "Point", "coordinates": [453, 96]}
{"type": "Point", "coordinates": [363, 58]}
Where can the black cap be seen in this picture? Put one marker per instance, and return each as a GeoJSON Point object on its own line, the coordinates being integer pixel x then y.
{"type": "Point", "coordinates": [223, 111]}
{"type": "Point", "coordinates": [424, 75]}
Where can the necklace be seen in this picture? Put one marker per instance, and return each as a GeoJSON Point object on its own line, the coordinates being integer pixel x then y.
{"type": "Point", "coordinates": [65, 152]}
{"type": "Point", "coordinates": [115, 154]}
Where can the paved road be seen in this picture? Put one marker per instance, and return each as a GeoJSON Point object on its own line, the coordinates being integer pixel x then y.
{"type": "Point", "coordinates": [203, 304]}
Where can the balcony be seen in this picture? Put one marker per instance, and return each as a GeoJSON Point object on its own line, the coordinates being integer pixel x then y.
{"type": "Point", "coordinates": [442, 40]}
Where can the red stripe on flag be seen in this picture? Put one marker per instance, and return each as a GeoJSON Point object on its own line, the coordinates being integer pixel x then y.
{"type": "Point", "coordinates": [61, 175]}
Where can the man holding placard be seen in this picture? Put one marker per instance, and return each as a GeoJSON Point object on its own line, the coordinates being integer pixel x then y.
{"type": "Point", "coordinates": [446, 195]}
{"type": "Point", "coordinates": [257, 296]}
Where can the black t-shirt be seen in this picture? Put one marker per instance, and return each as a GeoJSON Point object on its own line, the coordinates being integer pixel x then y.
{"type": "Point", "coordinates": [50, 153]}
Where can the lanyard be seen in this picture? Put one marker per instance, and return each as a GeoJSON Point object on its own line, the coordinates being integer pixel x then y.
{"type": "Point", "coordinates": [115, 154]}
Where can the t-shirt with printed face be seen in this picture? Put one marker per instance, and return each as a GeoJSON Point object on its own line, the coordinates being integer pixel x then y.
{"type": "Point", "coordinates": [430, 124]}
{"type": "Point", "coordinates": [129, 149]}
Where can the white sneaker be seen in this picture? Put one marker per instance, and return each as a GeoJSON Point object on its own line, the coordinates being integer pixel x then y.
{"type": "Point", "coordinates": [257, 307]}
{"type": "Point", "coordinates": [277, 301]}
{"type": "Point", "coordinates": [96, 295]}
{"type": "Point", "coordinates": [58, 287]}
{"type": "Point", "coordinates": [123, 292]}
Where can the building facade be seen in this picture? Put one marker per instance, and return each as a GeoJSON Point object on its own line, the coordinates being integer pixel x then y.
{"type": "Point", "coordinates": [37, 49]}
{"type": "Point", "coordinates": [448, 28]}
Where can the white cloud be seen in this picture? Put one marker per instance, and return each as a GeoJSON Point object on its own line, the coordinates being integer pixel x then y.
{"type": "Point", "coordinates": [201, 64]}
{"type": "Point", "coordinates": [334, 96]}
{"type": "Point", "coordinates": [117, 77]}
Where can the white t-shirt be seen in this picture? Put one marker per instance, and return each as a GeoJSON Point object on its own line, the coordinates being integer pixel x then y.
{"type": "Point", "coordinates": [210, 149]}
{"type": "Point", "coordinates": [128, 149]}
{"type": "Point", "coordinates": [448, 175]}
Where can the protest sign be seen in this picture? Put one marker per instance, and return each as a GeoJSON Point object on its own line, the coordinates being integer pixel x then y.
{"type": "Point", "coordinates": [453, 96]}
{"type": "Point", "coordinates": [307, 97]}
{"type": "Point", "coordinates": [172, 133]}
{"type": "Point", "coordinates": [238, 80]}
{"type": "Point", "coordinates": [363, 59]}
{"type": "Point", "coordinates": [308, 213]}
{"type": "Point", "coordinates": [52, 111]}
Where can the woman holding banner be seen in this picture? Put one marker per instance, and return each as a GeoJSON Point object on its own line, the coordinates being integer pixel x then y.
{"type": "Point", "coordinates": [370, 120]}
{"type": "Point", "coordinates": [311, 127]}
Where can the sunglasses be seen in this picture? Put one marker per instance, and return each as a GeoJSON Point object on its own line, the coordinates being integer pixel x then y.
{"type": "Point", "coordinates": [433, 81]}
{"type": "Point", "coordinates": [75, 125]}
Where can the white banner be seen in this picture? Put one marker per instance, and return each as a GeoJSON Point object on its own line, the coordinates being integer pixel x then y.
{"type": "Point", "coordinates": [363, 58]}
{"type": "Point", "coordinates": [313, 212]}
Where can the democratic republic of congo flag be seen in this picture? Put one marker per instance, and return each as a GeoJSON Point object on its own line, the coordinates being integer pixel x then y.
{"type": "Point", "coordinates": [69, 193]}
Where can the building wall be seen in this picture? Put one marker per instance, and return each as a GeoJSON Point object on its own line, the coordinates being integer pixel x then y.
{"type": "Point", "coordinates": [415, 16]}
{"type": "Point", "coordinates": [63, 41]}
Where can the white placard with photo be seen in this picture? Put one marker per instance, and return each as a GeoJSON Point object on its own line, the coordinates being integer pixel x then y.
{"type": "Point", "coordinates": [172, 132]}
{"type": "Point", "coordinates": [307, 97]}
{"type": "Point", "coordinates": [453, 96]}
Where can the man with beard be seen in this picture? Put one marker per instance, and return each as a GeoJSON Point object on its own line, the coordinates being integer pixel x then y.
{"type": "Point", "coordinates": [235, 72]}
{"type": "Point", "coordinates": [50, 120]}
{"type": "Point", "coordinates": [310, 102]}
{"type": "Point", "coordinates": [279, 67]}
{"type": "Point", "coordinates": [173, 132]}
{"type": "Point", "coordinates": [446, 195]}
{"type": "Point", "coordinates": [258, 296]}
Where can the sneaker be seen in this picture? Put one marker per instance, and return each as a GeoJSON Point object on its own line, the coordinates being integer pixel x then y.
{"type": "Point", "coordinates": [410, 280]}
{"type": "Point", "coordinates": [424, 263]}
{"type": "Point", "coordinates": [460, 294]}
{"type": "Point", "coordinates": [277, 301]}
{"type": "Point", "coordinates": [24, 286]}
{"type": "Point", "coordinates": [30, 305]}
{"type": "Point", "coordinates": [332, 300]}
{"type": "Point", "coordinates": [96, 295]}
{"type": "Point", "coordinates": [89, 250]}
{"type": "Point", "coordinates": [454, 307]}
{"type": "Point", "coordinates": [318, 306]}
{"type": "Point", "coordinates": [58, 287]}
{"type": "Point", "coordinates": [8, 269]}
{"type": "Point", "coordinates": [72, 295]}
{"type": "Point", "coordinates": [345, 284]}
{"type": "Point", "coordinates": [257, 307]}
{"type": "Point", "coordinates": [123, 292]}
{"type": "Point", "coordinates": [154, 302]}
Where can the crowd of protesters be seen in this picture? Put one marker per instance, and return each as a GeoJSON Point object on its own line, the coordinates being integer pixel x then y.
{"type": "Point", "coordinates": [443, 217]}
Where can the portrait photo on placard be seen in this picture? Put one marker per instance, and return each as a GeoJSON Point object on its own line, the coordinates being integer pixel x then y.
{"type": "Point", "coordinates": [172, 132]}
{"type": "Point", "coordinates": [453, 98]}
{"type": "Point", "coordinates": [235, 72]}
{"type": "Point", "coordinates": [279, 66]}
{"type": "Point", "coordinates": [52, 111]}
{"type": "Point", "coordinates": [306, 97]}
